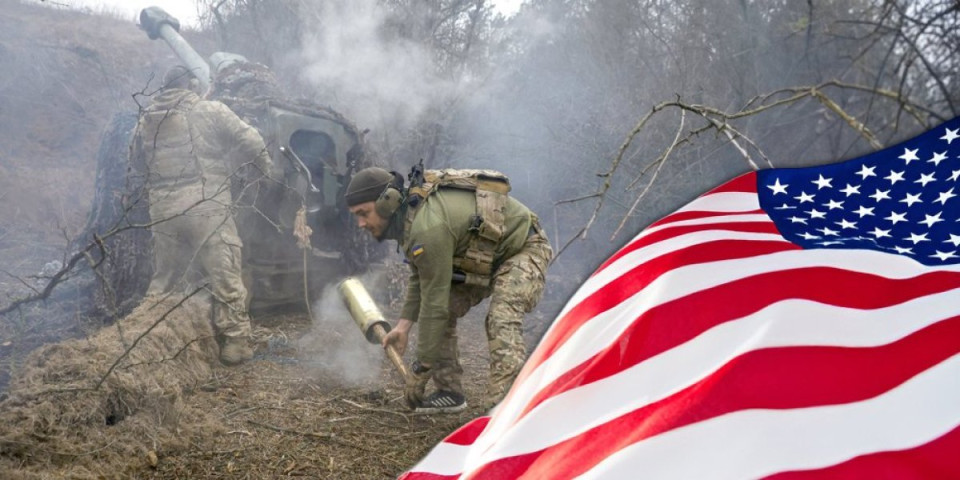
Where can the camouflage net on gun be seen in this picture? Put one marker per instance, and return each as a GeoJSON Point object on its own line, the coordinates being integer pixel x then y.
{"type": "Point", "coordinates": [86, 404]}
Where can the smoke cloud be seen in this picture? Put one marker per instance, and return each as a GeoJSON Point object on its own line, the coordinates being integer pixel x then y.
{"type": "Point", "coordinates": [375, 81]}
{"type": "Point", "coordinates": [335, 347]}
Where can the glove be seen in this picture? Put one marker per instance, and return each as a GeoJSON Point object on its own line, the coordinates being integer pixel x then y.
{"type": "Point", "coordinates": [416, 384]}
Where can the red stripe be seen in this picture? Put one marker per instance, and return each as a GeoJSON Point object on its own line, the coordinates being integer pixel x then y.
{"type": "Point", "coordinates": [669, 233]}
{"type": "Point", "coordinates": [746, 183]}
{"type": "Point", "coordinates": [468, 433]}
{"type": "Point", "coordinates": [463, 436]}
{"type": "Point", "coordinates": [775, 378]}
{"type": "Point", "coordinates": [426, 476]}
{"type": "Point", "coordinates": [937, 459]}
{"type": "Point", "coordinates": [636, 279]}
{"type": "Point", "coordinates": [697, 214]}
{"type": "Point", "coordinates": [674, 323]}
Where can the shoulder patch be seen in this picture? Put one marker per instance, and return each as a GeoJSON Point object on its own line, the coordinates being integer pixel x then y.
{"type": "Point", "coordinates": [416, 250]}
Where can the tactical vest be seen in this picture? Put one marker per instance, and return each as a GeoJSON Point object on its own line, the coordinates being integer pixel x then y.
{"type": "Point", "coordinates": [486, 225]}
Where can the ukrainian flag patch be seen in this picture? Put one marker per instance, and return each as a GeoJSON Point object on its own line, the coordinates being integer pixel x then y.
{"type": "Point", "coordinates": [416, 250]}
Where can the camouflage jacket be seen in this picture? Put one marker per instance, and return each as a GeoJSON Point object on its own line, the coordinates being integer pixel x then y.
{"type": "Point", "coordinates": [185, 141]}
{"type": "Point", "coordinates": [437, 233]}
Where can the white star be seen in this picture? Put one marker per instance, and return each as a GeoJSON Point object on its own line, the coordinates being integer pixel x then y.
{"type": "Point", "coordinates": [954, 239]}
{"type": "Point", "coordinates": [822, 182]}
{"type": "Point", "coordinates": [931, 219]}
{"type": "Point", "coordinates": [917, 238]}
{"type": "Point", "coordinates": [850, 189]}
{"type": "Point", "coordinates": [937, 158]}
{"type": "Point", "coordinates": [925, 179]}
{"type": "Point", "coordinates": [879, 233]}
{"type": "Point", "coordinates": [894, 177]}
{"type": "Point", "coordinates": [814, 213]}
{"type": "Point", "coordinates": [880, 195]}
{"type": "Point", "coordinates": [798, 220]}
{"type": "Point", "coordinates": [785, 207]}
{"type": "Point", "coordinates": [864, 211]}
{"type": "Point", "coordinates": [804, 197]}
{"type": "Point", "coordinates": [902, 250]}
{"type": "Point", "coordinates": [944, 256]}
{"type": "Point", "coordinates": [897, 217]}
{"type": "Point", "coordinates": [955, 175]}
{"type": "Point", "coordinates": [809, 236]}
{"type": "Point", "coordinates": [909, 155]}
{"type": "Point", "coordinates": [827, 232]}
{"type": "Point", "coordinates": [846, 224]}
{"type": "Point", "coordinates": [911, 199]}
{"type": "Point", "coordinates": [833, 204]}
{"type": "Point", "coordinates": [944, 196]}
{"type": "Point", "coordinates": [950, 135]}
{"type": "Point", "coordinates": [831, 242]}
{"type": "Point", "coordinates": [777, 187]}
{"type": "Point", "coordinates": [866, 172]}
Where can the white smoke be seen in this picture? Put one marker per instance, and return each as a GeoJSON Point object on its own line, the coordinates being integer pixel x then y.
{"type": "Point", "coordinates": [335, 347]}
{"type": "Point", "coordinates": [374, 81]}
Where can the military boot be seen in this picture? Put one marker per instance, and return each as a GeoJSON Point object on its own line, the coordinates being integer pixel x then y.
{"type": "Point", "coordinates": [235, 350]}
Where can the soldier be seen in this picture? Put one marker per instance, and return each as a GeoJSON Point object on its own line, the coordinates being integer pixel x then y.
{"type": "Point", "coordinates": [191, 149]}
{"type": "Point", "coordinates": [463, 244]}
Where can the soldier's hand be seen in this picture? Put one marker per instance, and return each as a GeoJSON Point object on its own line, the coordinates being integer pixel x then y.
{"type": "Point", "coordinates": [398, 336]}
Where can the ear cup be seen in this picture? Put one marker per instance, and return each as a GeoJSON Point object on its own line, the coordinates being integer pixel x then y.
{"type": "Point", "coordinates": [389, 201]}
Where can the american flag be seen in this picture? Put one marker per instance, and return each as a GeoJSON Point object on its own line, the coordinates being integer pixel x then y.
{"type": "Point", "coordinates": [790, 324]}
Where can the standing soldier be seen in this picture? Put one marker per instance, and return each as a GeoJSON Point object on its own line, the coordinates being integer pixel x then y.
{"type": "Point", "coordinates": [191, 149]}
{"type": "Point", "coordinates": [465, 240]}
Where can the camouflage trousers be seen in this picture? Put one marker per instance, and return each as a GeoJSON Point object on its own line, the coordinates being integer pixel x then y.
{"type": "Point", "coordinates": [196, 246]}
{"type": "Point", "coordinates": [515, 290]}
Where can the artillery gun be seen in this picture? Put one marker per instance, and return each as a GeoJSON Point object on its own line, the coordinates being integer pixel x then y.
{"type": "Point", "coordinates": [316, 148]}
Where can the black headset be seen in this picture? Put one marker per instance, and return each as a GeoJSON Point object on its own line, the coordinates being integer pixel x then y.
{"type": "Point", "coordinates": [391, 198]}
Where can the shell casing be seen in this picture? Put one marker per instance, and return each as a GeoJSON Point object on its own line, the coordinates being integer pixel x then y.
{"type": "Point", "coordinates": [363, 309]}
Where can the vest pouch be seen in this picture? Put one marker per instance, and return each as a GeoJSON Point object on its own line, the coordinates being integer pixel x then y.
{"type": "Point", "coordinates": [475, 261]}
{"type": "Point", "coordinates": [491, 232]}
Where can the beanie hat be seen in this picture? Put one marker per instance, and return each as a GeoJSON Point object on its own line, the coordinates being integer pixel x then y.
{"type": "Point", "coordinates": [367, 185]}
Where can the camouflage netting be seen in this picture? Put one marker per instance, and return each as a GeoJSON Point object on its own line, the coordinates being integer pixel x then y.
{"type": "Point", "coordinates": [86, 404]}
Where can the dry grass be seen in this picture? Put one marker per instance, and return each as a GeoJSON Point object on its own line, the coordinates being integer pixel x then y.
{"type": "Point", "coordinates": [169, 410]}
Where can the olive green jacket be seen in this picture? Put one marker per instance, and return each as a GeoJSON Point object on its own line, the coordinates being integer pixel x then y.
{"type": "Point", "coordinates": [438, 233]}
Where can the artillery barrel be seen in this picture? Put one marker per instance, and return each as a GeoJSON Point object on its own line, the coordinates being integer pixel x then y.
{"type": "Point", "coordinates": [160, 24]}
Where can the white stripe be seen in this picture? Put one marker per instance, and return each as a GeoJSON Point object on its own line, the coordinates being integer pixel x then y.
{"type": "Point", "coordinates": [691, 222]}
{"type": "Point", "coordinates": [443, 459]}
{"type": "Point", "coordinates": [756, 443]}
{"type": "Point", "coordinates": [787, 323]}
{"type": "Point", "coordinates": [723, 202]}
{"type": "Point", "coordinates": [606, 327]}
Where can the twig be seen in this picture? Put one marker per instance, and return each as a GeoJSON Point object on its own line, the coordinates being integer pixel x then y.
{"type": "Point", "coordinates": [294, 432]}
{"type": "Point", "coordinates": [24, 282]}
{"type": "Point", "coordinates": [323, 436]}
{"type": "Point", "coordinates": [720, 121]}
{"type": "Point", "coordinates": [660, 163]}
{"type": "Point", "coordinates": [853, 122]}
{"type": "Point", "coordinates": [372, 409]}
